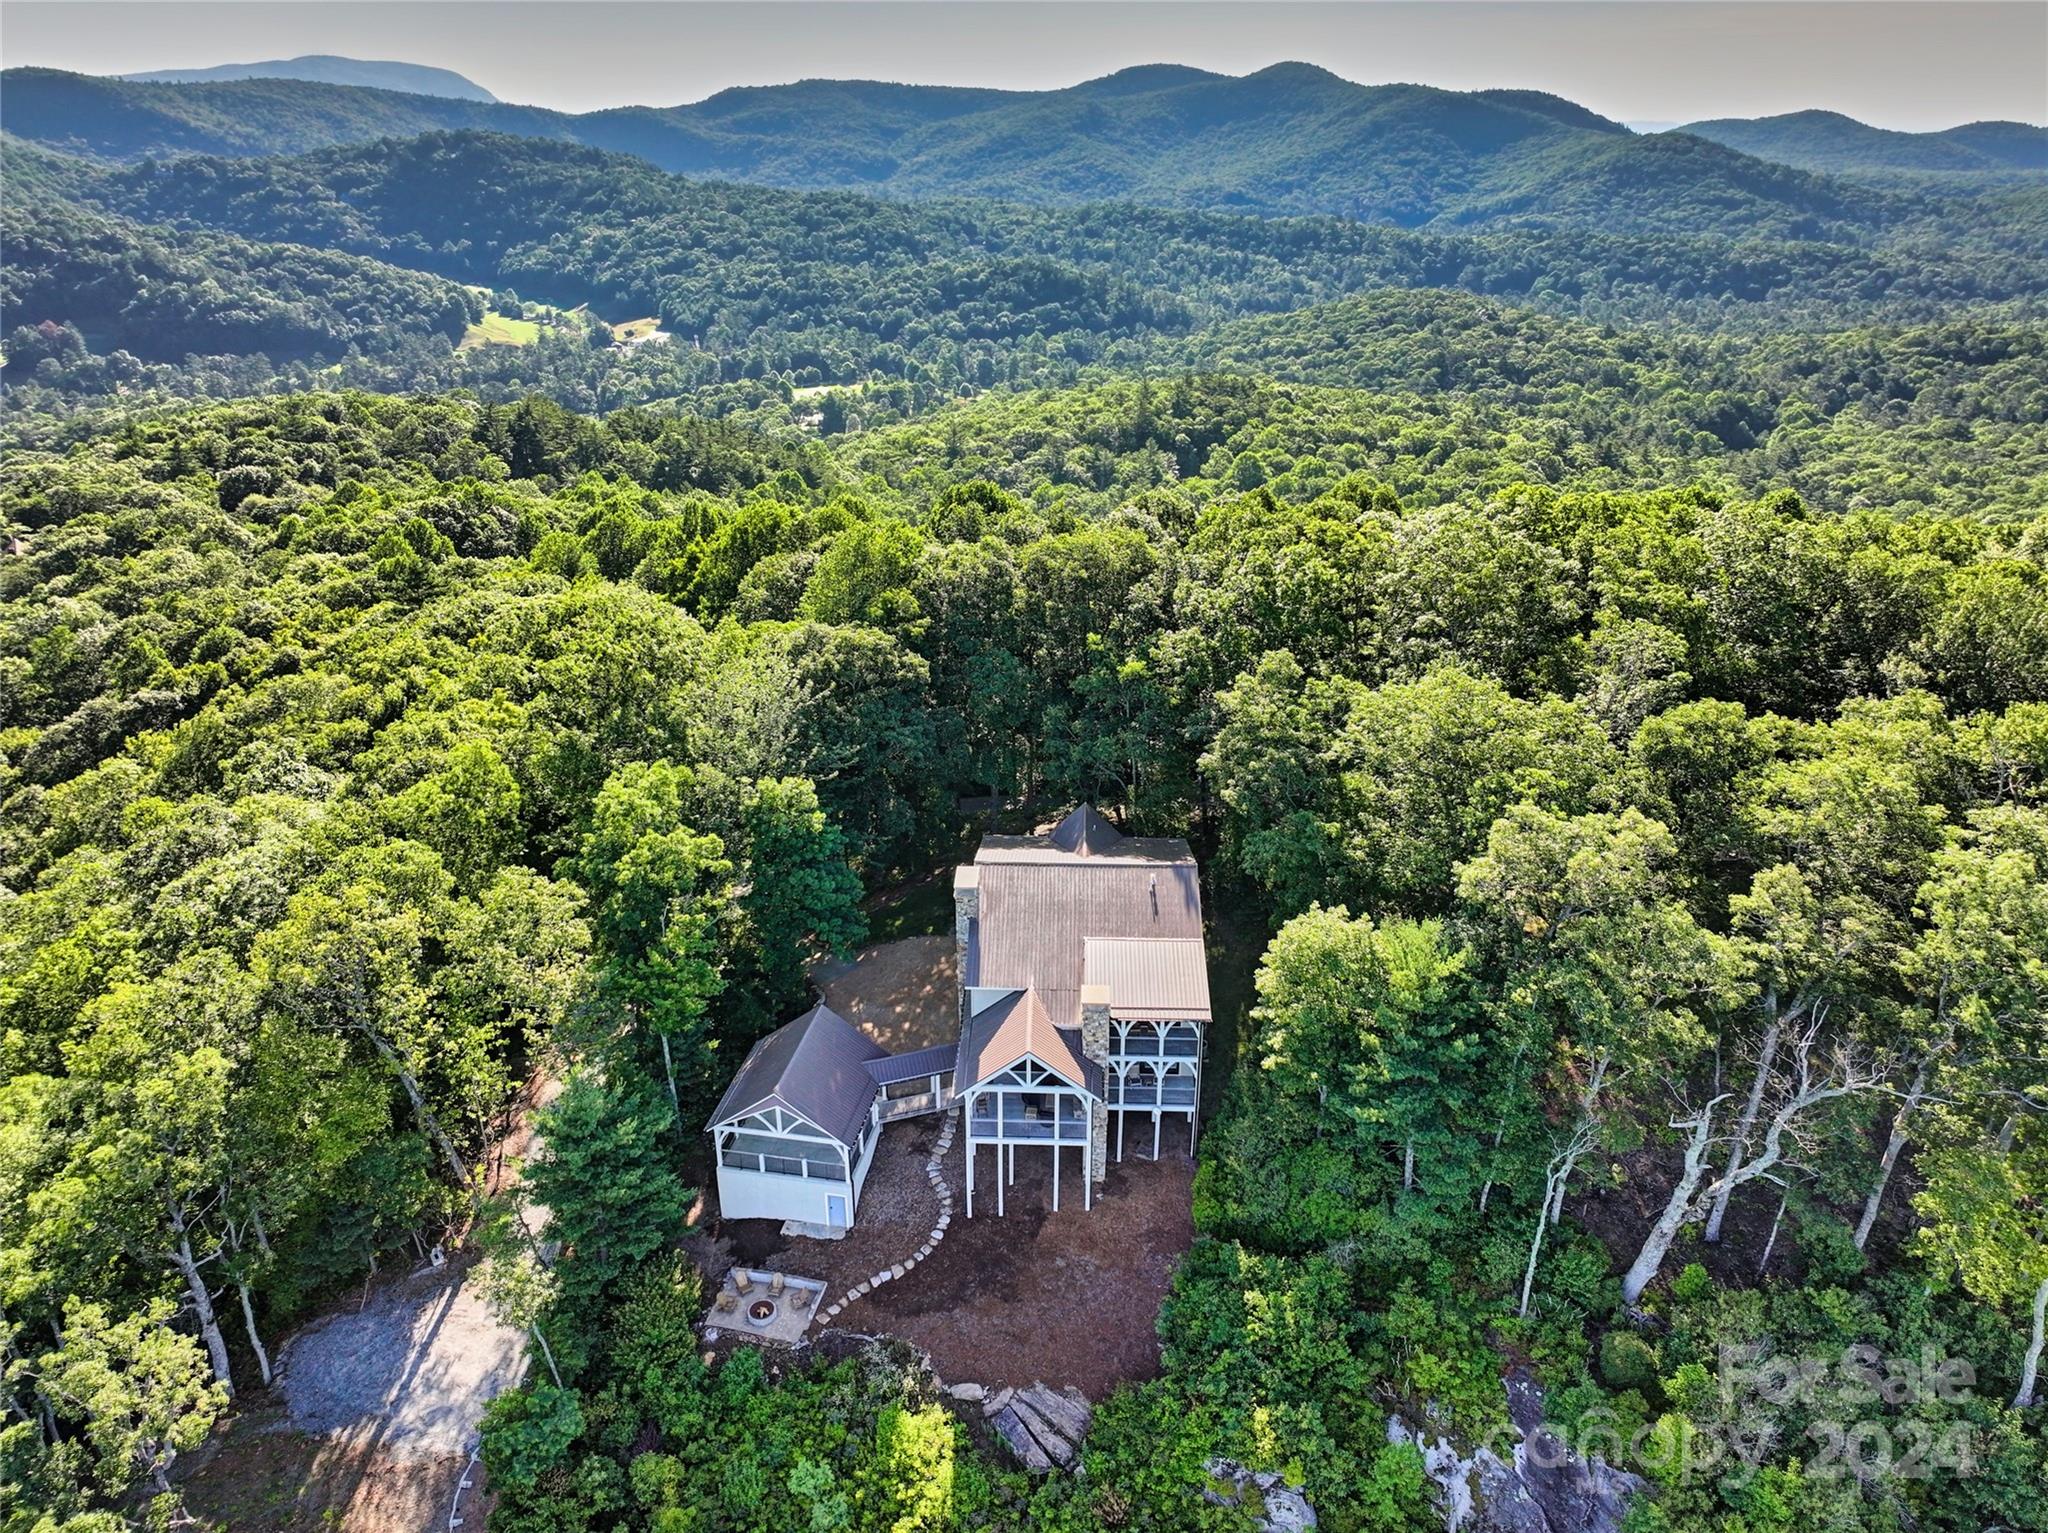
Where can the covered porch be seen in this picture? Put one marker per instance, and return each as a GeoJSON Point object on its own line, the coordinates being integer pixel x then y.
{"type": "Point", "coordinates": [1031, 1107]}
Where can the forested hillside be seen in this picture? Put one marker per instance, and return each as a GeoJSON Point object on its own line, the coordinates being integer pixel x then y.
{"type": "Point", "coordinates": [479, 609]}
{"type": "Point", "coordinates": [761, 291]}
{"type": "Point", "coordinates": [161, 295]}
{"type": "Point", "coordinates": [1784, 758]}
{"type": "Point", "coordinates": [1828, 141]}
{"type": "Point", "coordinates": [380, 74]}
{"type": "Point", "coordinates": [1292, 138]}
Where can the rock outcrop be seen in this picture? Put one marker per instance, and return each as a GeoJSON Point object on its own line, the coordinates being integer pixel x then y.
{"type": "Point", "coordinates": [1043, 1426]}
{"type": "Point", "coordinates": [1542, 1487]}
{"type": "Point", "coordinates": [1281, 1508]}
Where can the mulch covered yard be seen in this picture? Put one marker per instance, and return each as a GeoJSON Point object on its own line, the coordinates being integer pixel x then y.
{"type": "Point", "coordinates": [1066, 1298]}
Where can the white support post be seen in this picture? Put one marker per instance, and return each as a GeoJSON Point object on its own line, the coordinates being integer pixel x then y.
{"type": "Point", "coordinates": [1088, 1172]}
{"type": "Point", "coordinates": [999, 1155]}
{"type": "Point", "coordinates": [1123, 1112]}
{"type": "Point", "coordinates": [1055, 1167]}
{"type": "Point", "coordinates": [1155, 1133]}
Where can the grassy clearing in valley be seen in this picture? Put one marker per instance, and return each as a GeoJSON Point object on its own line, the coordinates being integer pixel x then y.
{"type": "Point", "coordinates": [499, 330]}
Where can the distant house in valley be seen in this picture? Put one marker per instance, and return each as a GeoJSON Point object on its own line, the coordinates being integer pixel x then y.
{"type": "Point", "coordinates": [1084, 994]}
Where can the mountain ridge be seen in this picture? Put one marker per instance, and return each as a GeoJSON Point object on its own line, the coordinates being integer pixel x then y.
{"type": "Point", "coordinates": [1833, 142]}
{"type": "Point", "coordinates": [1292, 138]}
{"type": "Point", "coordinates": [330, 69]}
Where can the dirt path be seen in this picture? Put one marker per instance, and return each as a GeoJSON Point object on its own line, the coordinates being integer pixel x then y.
{"type": "Point", "coordinates": [905, 995]}
{"type": "Point", "coordinates": [370, 1422]}
{"type": "Point", "coordinates": [375, 1408]}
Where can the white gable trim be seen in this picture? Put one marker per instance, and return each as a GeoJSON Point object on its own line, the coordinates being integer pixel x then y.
{"type": "Point", "coordinates": [796, 1123]}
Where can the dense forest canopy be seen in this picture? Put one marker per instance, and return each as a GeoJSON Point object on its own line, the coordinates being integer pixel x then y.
{"type": "Point", "coordinates": [1600, 661]}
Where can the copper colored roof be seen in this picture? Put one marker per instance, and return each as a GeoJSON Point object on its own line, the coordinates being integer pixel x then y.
{"type": "Point", "coordinates": [1005, 1031]}
{"type": "Point", "coordinates": [1150, 976]}
{"type": "Point", "coordinates": [815, 1067]}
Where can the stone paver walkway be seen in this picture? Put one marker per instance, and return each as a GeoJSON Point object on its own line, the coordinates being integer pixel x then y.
{"type": "Point", "coordinates": [938, 1232]}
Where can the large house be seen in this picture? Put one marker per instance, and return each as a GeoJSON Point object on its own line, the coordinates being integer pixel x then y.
{"type": "Point", "coordinates": [1084, 993]}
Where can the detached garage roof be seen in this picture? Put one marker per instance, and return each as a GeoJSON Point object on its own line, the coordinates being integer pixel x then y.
{"type": "Point", "coordinates": [815, 1067]}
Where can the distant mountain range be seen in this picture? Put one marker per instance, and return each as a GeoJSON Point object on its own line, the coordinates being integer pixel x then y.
{"type": "Point", "coordinates": [1290, 139]}
{"type": "Point", "coordinates": [331, 69]}
{"type": "Point", "coordinates": [1828, 141]}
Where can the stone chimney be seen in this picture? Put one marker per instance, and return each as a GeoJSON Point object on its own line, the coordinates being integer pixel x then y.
{"type": "Point", "coordinates": [966, 911]}
{"type": "Point", "coordinates": [1096, 1033]}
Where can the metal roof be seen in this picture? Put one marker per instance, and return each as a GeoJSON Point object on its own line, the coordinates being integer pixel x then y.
{"type": "Point", "coordinates": [1150, 976]}
{"type": "Point", "coordinates": [816, 1067]}
{"type": "Point", "coordinates": [1086, 833]}
{"type": "Point", "coordinates": [1005, 1031]}
{"type": "Point", "coordinates": [1036, 918]}
{"type": "Point", "coordinates": [936, 1060]}
{"type": "Point", "coordinates": [1082, 836]}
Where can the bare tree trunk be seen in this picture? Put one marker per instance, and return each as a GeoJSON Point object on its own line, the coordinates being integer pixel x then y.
{"type": "Point", "coordinates": [2030, 1371]}
{"type": "Point", "coordinates": [181, 1257]}
{"type": "Point", "coordinates": [1555, 1175]}
{"type": "Point", "coordinates": [1643, 1271]}
{"type": "Point", "coordinates": [1486, 1192]}
{"type": "Point", "coordinates": [1581, 1140]}
{"type": "Point", "coordinates": [547, 1354]}
{"type": "Point", "coordinates": [1408, 1165]}
{"type": "Point", "coordinates": [255, 1339]}
{"type": "Point", "coordinates": [1893, 1147]}
{"type": "Point", "coordinates": [1771, 1243]}
{"type": "Point", "coordinates": [1766, 1056]}
{"type": "Point", "coordinates": [420, 1109]}
{"type": "Point", "coordinates": [1535, 1251]}
{"type": "Point", "coordinates": [668, 1064]}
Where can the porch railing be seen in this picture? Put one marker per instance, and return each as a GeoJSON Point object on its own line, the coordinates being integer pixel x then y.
{"type": "Point", "coordinates": [982, 1127]}
{"type": "Point", "coordinates": [910, 1106]}
{"type": "Point", "coordinates": [1173, 1094]}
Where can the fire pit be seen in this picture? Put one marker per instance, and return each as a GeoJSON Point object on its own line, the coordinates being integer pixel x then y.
{"type": "Point", "coordinates": [773, 1306]}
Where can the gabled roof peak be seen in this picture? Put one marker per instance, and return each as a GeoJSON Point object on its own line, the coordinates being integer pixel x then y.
{"type": "Point", "coordinates": [1086, 834]}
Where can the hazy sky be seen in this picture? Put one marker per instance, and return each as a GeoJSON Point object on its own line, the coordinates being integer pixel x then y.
{"type": "Point", "coordinates": [1906, 64]}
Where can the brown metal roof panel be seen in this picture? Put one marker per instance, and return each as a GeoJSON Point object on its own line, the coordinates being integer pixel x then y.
{"type": "Point", "coordinates": [1035, 920]}
{"type": "Point", "coordinates": [1150, 977]}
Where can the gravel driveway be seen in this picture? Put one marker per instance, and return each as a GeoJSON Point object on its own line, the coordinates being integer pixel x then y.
{"type": "Point", "coordinates": [410, 1374]}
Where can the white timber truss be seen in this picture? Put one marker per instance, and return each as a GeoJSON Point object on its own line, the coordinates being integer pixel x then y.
{"type": "Point", "coordinates": [1029, 1104]}
{"type": "Point", "coordinates": [1155, 1068]}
